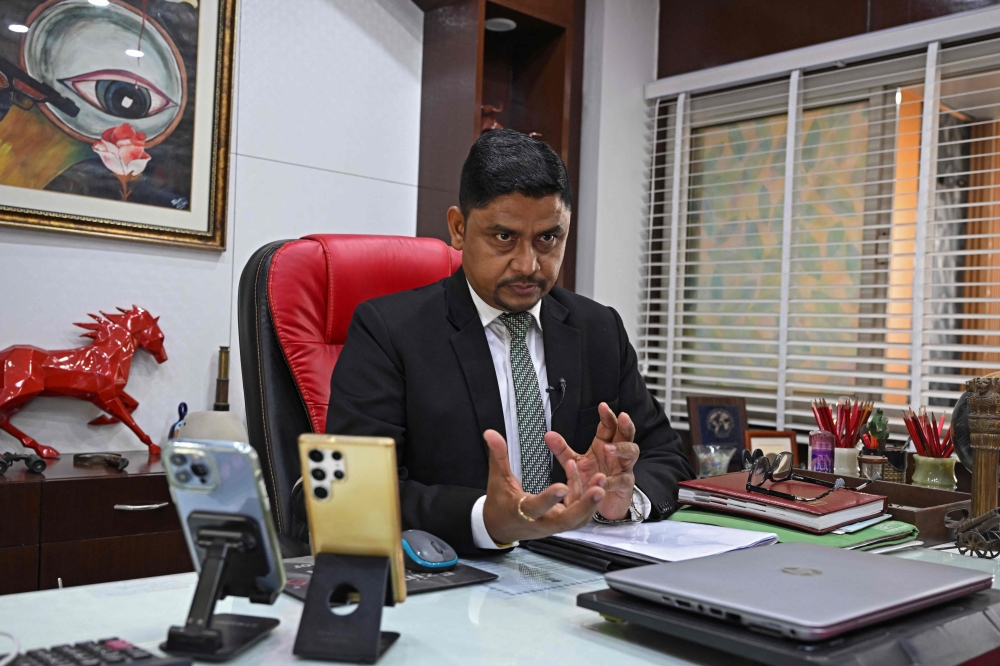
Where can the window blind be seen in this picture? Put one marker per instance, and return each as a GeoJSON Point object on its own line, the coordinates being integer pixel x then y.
{"type": "Point", "coordinates": [834, 232]}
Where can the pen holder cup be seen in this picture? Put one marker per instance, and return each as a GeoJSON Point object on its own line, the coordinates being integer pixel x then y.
{"type": "Point", "coordinates": [931, 472]}
{"type": "Point", "coordinates": [845, 461]}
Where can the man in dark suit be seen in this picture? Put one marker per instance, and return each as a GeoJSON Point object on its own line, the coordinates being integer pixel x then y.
{"type": "Point", "coordinates": [501, 389]}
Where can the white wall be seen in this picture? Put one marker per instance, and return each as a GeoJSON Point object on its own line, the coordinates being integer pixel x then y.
{"type": "Point", "coordinates": [619, 59]}
{"type": "Point", "coordinates": [327, 127]}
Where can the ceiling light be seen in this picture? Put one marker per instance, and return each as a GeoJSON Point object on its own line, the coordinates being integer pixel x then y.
{"type": "Point", "coordinates": [500, 25]}
{"type": "Point", "coordinates": [99, 3]}
{"type": "Point", "coordinates": [17, 27]}
{"type": "Point", "coordinates": [134, 53]}
{"type": "Point", "coordinates": [899, 96]}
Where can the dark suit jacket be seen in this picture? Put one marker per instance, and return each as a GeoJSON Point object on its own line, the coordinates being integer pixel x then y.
{"type": "Point", "coordinates": [417, 367]}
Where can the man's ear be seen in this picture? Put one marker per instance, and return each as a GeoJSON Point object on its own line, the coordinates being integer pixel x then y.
{"type": "Point", "coordinates": [456, 227]}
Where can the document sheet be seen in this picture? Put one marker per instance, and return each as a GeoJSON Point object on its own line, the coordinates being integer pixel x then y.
{"type": "Point", "coordinates": [668, 541]}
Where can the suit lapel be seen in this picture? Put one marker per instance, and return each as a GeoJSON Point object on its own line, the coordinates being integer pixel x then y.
{"type": "Point", "coordinates": [562, 361]}
{"type": "Point", "coordinates": [473, 352]}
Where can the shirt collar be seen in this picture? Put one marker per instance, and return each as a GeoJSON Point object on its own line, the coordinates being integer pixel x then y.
{"type": "Point", "coordinates": [488, 313]}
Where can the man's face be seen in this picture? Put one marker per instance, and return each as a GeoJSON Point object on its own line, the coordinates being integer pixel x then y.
{"type": "Point", "coordinates": [512, 249]}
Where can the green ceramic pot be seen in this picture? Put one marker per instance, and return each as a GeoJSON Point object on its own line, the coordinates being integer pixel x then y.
{"type": "Point", "coordinates": [934, 472]}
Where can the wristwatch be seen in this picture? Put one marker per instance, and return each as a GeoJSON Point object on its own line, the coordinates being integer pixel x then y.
{"type": "Point", "coordinates": [634, 515]}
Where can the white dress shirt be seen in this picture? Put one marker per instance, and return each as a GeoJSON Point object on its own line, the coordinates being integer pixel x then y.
{"type": "Point", "coordinates": [498, 338]}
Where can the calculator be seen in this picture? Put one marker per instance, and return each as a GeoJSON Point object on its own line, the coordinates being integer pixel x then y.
{"type": "Point", "coordinates": [96, 653]}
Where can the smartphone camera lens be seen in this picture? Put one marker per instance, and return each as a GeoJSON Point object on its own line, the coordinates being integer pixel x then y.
{"type": "Point", "coordinates": [199, 469]}
{"type": "Point", "coordinates": [336, 455]}
{"type": "Point", "coordinates": [183, 476]}
{"type": "Point", "coordinates": [316, 455]}
{"type": "Point", "coordinates": [339, 474]}
{"type": "Point", "coordinates": [321, 493]}
{"type": "Point", "coordinates": [318, 474]}
{"type": "Point", "coordinates": [177, 460]}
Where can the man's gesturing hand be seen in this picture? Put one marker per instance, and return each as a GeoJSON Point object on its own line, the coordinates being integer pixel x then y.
{"type": "Point", "coordinates": [612, 454]}
{"type": "Point", "coordinates": [558, 508]}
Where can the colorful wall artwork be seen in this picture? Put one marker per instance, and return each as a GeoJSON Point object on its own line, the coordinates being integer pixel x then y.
{"type": "Point", "coordinates": [114, 117]}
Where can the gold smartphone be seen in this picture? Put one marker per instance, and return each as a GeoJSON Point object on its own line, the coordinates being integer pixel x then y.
{"type": "Point", "coordinates": [351, 487]}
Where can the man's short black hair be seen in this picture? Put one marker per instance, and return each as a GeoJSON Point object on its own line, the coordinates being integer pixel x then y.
{"type": "Point", "coordinates": [504, 161]}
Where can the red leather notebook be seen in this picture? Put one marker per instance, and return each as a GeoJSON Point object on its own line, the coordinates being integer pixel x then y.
{"type": "Point", "coordinates": [728, 493]}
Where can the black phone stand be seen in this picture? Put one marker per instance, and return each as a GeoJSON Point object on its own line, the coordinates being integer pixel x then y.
{"type": "Point", "coordinates": [356, 637]}
{"type": "Point", "coordinates": [234, 557]}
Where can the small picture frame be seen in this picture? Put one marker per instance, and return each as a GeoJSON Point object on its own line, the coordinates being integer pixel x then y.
{"type": "Point", "coordinates": [773, 442]}
{"type": "Point", "coordinates": [717, 420]}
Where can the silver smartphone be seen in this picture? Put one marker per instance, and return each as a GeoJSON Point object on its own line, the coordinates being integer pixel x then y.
{"type": "Point", "coordinates": [224, 478]}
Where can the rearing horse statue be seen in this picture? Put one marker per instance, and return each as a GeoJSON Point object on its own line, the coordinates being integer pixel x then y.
{"type": "Point", "coordinates": [96, 373]}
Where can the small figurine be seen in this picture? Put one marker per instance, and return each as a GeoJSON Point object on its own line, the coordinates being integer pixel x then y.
{"type": "Point", "coordinates": [115, 460]}
{"type": "Point", "coordinates": [34, 464]}
{"type": "Point", "coordinates": [182, 412]}
{"type": "Point", "coordinates": [979, 536]}
{"type": "Point", "coordinates": [877, 430]}
{"type": "Point", "coordinates": [96, 373]}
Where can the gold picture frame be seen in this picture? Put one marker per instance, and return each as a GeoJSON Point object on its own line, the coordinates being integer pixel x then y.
{"type": "Point", "coordinates": [204, 170]}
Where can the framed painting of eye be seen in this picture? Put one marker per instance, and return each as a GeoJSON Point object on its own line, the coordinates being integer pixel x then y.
{"type": "Point", "coordinates": [115, 117]}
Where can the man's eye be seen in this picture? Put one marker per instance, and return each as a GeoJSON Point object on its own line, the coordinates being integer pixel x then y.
{"type": "Point", "coordinates": [548, 238]}
{"type": "Point", "coordinates": [504, 237]}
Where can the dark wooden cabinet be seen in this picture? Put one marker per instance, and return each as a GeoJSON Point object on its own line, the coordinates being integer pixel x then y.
{"type": "Point", "coordinates": [87, 525]}
{"type": "Point", "coordinates": [533, 74]}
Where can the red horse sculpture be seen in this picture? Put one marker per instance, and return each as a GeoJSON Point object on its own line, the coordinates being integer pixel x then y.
{"type": "Point", "coordinates": [96, 373]}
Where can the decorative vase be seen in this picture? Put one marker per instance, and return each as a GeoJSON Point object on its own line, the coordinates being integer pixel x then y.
{"type": "Point", "coordinates": [845, 461]}
{"type": "Point", "coordinates": [934, 472]}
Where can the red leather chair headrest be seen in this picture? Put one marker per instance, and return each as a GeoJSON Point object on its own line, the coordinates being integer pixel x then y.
{"type": "Point", "coordinates": [315, 283]}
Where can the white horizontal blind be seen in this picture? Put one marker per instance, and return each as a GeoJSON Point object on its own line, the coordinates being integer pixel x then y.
{"type": "Point", "coordinates": [657, 247]}
{"type": "Point", "coordinates": [961, 317]}
{"type": "Point", "coordinates": [854, 192]}
{"type": "Point", "coordinates": [887, 228]}
{"type": "Point", "coordinates": [721, 340]}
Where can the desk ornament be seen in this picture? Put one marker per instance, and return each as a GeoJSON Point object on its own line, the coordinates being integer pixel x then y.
{"type": "Point", "coordinates": [979, 536]}
{"type": "Point", "coordinates": [872, 466]}
{"type": "Point", "coordinates": [34, 464]}
{"type": "Point", "coordinates": [984, 426]}
{"type": "Point", "coordinates": [182, 412]}
{"type": "Point", "coordinates": [875, 437]}
{"type": "Point", "coordinates": [96, 373]}
{"type": "Point", "coordinates": [821, 446]}
{"type": "Point", "coordinates": [115, 460]}
{"type": "Point", "coordinates": [220, 423]}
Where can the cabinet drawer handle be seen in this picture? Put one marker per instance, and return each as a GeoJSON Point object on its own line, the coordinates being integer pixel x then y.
{"type": "Point", "coordinates": [141, 507]}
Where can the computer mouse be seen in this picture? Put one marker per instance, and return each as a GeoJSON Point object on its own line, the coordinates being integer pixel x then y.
{"type": "Point", "coordinates": [427, 553]}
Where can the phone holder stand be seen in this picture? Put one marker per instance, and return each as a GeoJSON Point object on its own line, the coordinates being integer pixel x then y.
{"type": "Point", "coordinates": [233, 560]}
{"type": "Point", "coordinates": [326, 634]}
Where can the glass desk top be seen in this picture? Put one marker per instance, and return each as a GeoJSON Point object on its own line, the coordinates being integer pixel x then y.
{"type": "Point", "coordinates": [528, 616]}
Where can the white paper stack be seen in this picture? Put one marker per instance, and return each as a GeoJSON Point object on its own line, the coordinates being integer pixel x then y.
{"type": "Point", "coordinates": [667, 540]}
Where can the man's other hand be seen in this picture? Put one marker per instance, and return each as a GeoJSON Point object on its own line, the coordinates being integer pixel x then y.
{"type": "Point", "coordinates": [558, 508]}
{"type": "Point", "coordinates": [612, 454]}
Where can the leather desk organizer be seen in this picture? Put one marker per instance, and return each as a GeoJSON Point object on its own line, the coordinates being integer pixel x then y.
{"type": "Point", "coordinates": [925, 508]}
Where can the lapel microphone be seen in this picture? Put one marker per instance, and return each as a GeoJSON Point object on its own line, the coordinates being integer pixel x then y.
{"type": "Point", "coordinates": [562, 394]}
